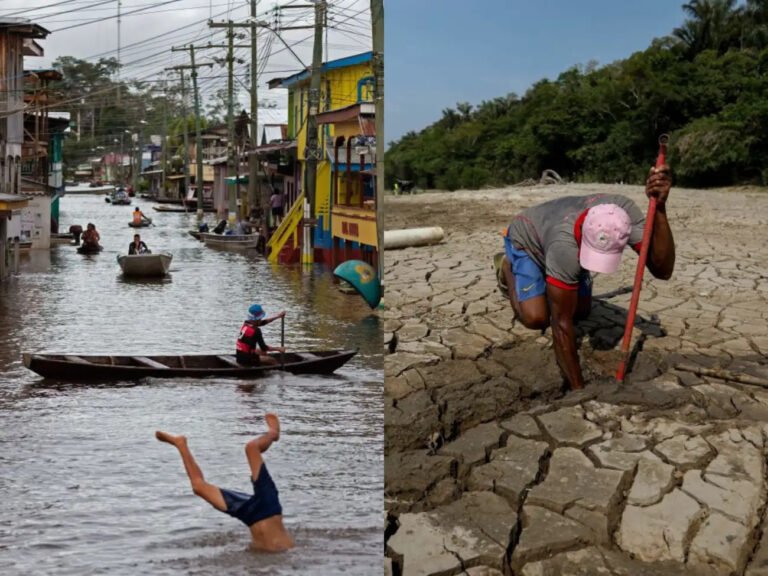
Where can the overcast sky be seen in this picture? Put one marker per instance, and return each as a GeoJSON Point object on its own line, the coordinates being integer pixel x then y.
{"type": "Point", "coordinates": [147, 35]}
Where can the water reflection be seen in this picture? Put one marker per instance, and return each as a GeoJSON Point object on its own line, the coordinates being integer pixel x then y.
{"type": "Point", "coordinates": [86, 487]}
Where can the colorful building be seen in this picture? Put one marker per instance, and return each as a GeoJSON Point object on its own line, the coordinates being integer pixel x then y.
{"type": "Point", "coordinates": [346, 138]}
{"type": "Point", "coordinates": [25, 152]}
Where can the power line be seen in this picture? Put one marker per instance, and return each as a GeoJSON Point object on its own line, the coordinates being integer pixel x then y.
{"type": "Point", "coordinates": [79, 8]}
{"type": "Point", "coordinates": [111, 17]}
{"type": "Point", "coordinates": [41, 7]}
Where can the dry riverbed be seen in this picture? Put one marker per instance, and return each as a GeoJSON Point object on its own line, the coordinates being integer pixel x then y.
{"type": "Point", "coordinates": [492, 469]}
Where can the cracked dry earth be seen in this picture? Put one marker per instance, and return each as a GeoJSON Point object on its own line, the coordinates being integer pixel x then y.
{"type": "Point", "coordinates": [491, 469]}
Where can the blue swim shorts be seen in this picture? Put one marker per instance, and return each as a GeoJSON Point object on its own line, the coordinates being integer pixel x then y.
{"type": "Point", "coordinates": [263, 504]}
{"type": "Point", "coordinates": [529, 278]}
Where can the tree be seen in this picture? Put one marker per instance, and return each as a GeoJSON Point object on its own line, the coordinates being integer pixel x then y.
{"type": "Point", "coordinates": [712, 25]}
{"type": "Point", "coordinates": [602, 123]}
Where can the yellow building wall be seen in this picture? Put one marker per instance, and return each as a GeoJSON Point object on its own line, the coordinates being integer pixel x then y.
{"type": "Point", "coordinates": [343, 92]}
{"type": "Point", "coordinates": [355, 225]}
{"type": "Point", "coordinates": [208, 172]}
{"type": "Point", "coordinates": [348, 129]}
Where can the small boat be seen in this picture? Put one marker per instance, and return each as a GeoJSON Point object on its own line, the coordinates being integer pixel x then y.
{"type": "Point", "coordinates": [63, 238]}
{"type": "Point", "coordinates": [142, 224]}
{"type": "Point", "coordinates": [24, 245]}
{"type": "Point", "coordinates": [231, 241]}
{"type": "Point", "coordinates": [171, 209]}
{"type": "Point", "coordinates": [119, 197]}
{"type": "Point", "coordinates": [145, 265]}
{"type": "Point", "coordinates": [76, 367]}
{"type": "Point", "coordinates": [88, 249]}
{"type": "Point", "coordinates": [181, 208]}
{"type": "Point", "coordinates": [86, 189]}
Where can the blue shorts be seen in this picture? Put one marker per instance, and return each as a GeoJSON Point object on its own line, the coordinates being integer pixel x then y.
{"type": "Point", "coordinates": [529, 278]}
{"type": "Point", "coordinates": [263, 504]}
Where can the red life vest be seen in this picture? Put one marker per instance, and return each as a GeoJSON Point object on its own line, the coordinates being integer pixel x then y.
{"type": "Point", "coordinates": [247, 333]}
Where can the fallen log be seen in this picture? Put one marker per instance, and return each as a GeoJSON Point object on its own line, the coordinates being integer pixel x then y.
{"type": "Point", "coordinates": [722, 374]}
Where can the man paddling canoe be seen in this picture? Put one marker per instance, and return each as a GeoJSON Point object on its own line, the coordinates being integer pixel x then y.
{"type": "Point", "coordinates": [251, 349]}
{"type": "Point", "coordinates": [91, 237]}
{"type": "Point", "coordinates": [261, 512]}
{"type": "Point", "coordinates": [139, 219]}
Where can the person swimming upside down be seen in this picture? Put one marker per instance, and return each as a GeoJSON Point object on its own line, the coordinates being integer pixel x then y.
{"type": "Point", "coordinates": [261, 511]}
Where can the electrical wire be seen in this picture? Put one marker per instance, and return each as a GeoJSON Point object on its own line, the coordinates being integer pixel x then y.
{"type": "Point", "coordinates": [111, 17]}
{"type": "Point", "coordinates": [208, 83]}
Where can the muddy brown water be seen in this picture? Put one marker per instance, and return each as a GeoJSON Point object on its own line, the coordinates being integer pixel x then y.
{"type": "Point", "coordinates": [86, 488]}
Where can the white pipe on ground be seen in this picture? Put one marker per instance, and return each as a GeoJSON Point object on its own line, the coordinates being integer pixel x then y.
{"type": "Point", "coordinates": [408, 237]}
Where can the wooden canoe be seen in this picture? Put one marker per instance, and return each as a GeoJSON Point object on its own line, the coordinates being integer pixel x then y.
{"type": "Point", "coordinates": [63, 238]}
{"type": "Point", "coordinates": [182, 208]}
{"type": "Point", "coordinates": [145, 265]}
{"type": "Point", "coordinates": [88, 249]}
{"type": "Point", "coordinates": [232, 241]}
{"type": "Point", "coordinates": [143, 224]}
{"type": "Point", "coordinates": [73, 367]}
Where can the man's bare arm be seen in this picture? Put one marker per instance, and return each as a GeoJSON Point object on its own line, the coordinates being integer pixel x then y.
{"type": "Point", "coordinates": [562, 306]}
{"type": "Point", "coordinates": [661, 252]}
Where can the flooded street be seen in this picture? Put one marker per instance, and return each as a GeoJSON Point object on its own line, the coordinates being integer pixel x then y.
{"type": "Point", "coordinates": [86, 487]}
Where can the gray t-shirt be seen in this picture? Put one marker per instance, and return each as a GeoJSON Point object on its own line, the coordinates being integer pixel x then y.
{"type": "Point", "coordinates": [546, 232]}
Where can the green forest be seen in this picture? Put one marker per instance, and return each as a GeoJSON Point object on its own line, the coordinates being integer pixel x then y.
{"type": "Point", "coordinates": [706, 84]}
{"type": "Point", "coordinates": [107, 114]}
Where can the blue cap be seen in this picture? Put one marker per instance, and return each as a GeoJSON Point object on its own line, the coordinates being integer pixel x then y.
{"type": "Point", "coordinates": [256, 312]}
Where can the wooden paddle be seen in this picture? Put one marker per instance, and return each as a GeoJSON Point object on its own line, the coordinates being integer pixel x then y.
{"type": "Point", "coordinates": [282, 342]}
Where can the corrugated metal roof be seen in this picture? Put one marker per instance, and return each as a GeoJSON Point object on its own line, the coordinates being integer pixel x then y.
{"type": "Point", "coordinates": [330, 65]}
{"type": "Point", "coordinates": [23, 27]}
{"type": "Point", "coordinates": [13, 198]}
{"type": "Point", "coordinates": [272, 134]}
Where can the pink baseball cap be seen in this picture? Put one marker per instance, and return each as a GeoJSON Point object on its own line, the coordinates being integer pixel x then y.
{"type": "Point", "coordinates": [604, 235]}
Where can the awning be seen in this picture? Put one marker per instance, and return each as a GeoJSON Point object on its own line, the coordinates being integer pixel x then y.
{"type": "Point", "coordinates": [234, 180]}
{"type": "Point", "coordinates": [10, 202]}
{"type": "Point", "coordinates": [347, 113]}
{"type": "Point", "coordinates": [175, 177]}
{"type": "Point", "coordinates": [36, 188]}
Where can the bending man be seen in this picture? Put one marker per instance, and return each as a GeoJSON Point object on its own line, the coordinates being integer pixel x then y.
{"type": "Point", "coordinates": [554, 246]}
{"type": "Point", "coordinates": [261, 512]}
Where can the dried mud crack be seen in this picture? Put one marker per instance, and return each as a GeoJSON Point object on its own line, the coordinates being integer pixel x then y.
{"type": "Point", "coordinates": [492, 469]}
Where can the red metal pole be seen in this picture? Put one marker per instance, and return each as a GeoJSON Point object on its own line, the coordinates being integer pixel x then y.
{"type": "Point", "coordinates": [661, 159]}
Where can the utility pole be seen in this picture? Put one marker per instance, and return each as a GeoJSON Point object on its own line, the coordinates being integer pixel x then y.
{"type": "Point", "coordinates": [313, 152]}
{"type": "Point", "coordinates": [254, 25]}
{"type": "Point", "coordinates": [233, 163]}
{"type": "Point", "coordinates": [137, 156]}
{"type": "Point", "coordinates": [198, 137]}
{"type": "Point", "coordinates": [119, 22]}
{"type": "Point", "coordinates": [164, 143]}
{"type": "Point", "coordinates": [233, 167]}
{"type": "Point", "coordinates": [186, 133]}
{"type": "Point", "coordinates": [253, 159]}
{"type": "Point", "coordinates": [377, 33]}
{"type": "Point", "coordinates": [122, 167]}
